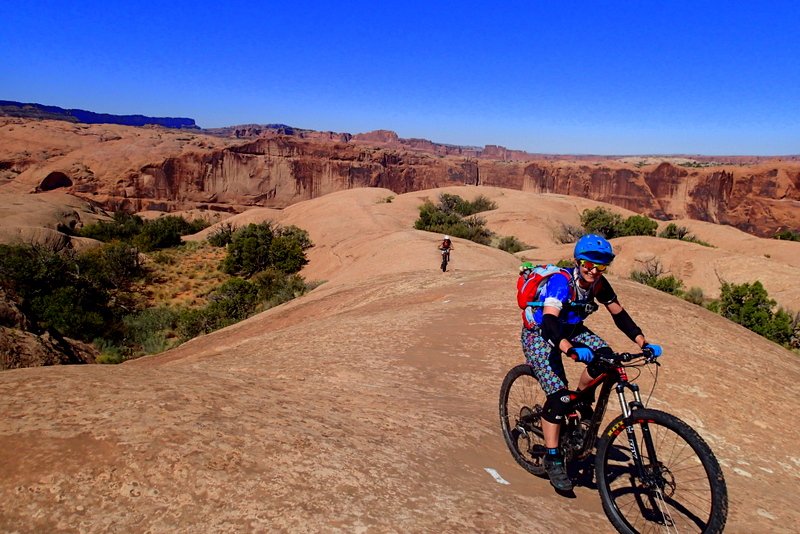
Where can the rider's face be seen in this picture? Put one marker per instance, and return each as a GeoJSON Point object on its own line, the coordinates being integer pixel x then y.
{"type": "Point", "coordinates": [590, 275]}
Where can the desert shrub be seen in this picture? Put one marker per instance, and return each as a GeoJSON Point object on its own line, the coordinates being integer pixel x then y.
{"type": "Point", "coordinates": [195, 322]}
{"type": "Point", "coordinates": [275, 287]}
{"type": "Point", "coordinates": [455, 204]}
{"type": "Point", "coordinates": [651, 275]}
{"type": "Point", "coordinates": [638, 225]}
{"type": "Point", "coordinates": [694, 295]}
{"type": "Point", "coordinates": [566, 263]}
{"type": "Point", "coordinates": [568, 233]}
{"type": "Point", "coordinates": [166, 232]}
{"type": "Point", "coordinates": [445, 219]}
{"type": "Point", "coordinates": [257, 247]}
{"type": "Point", "coordinates": [150, 328]}
{"type": "Point", "coordinates": [673, 231]}
{"type": "Point", "coordinates": [601, 221]}
{"type": "Point", "coordinates": [222, 235]}
{"type": "Point", "coordinates": [788, 235]}
{"type": "Point", "coordinates": [233, 301]}
{"type": "Point", "coordinates": [123, 227]}
{"type": "Point", "coordinates": [110, 352]}
{"type": "Point", "coordinates": [750, 306]}
{"type": "Point", "coordinates": [54, 293]}
{"type": "Point", "coordinates": [511, 244]}
{"type": "Point", "coordinates": [116, 264]}
{"type": "Point", "coordinates": [481, 203]}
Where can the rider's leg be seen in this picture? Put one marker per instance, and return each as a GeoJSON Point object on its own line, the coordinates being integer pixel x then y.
{"type": "Point", "coordinates": [587, 338]}
{"type": "Point", "coordinates": [549, 371]}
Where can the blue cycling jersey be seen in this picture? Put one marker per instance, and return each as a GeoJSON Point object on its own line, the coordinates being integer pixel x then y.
{"type": "Point", "coordinates": [571, 298]}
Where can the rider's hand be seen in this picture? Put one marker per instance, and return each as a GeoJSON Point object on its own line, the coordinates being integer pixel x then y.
{"type": "Point", "coordinates": [581, 354]}
{"type": "Point", "coordinates": [652, 347]}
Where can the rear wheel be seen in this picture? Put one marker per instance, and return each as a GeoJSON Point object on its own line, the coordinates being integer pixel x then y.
{"type": "Point", "coordinates": [681, 488]}
{"type": "Point", "coordinates": [521, 402]}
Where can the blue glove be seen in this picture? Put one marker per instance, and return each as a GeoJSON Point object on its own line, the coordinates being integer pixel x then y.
{"type": "Point", "coordinates": [581, 354]}
{"type": "Point", "coordinates": [656, 349]}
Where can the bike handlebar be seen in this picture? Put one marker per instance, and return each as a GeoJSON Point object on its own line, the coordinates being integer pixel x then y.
{"type": "Point", "coordinates": [624, 357]}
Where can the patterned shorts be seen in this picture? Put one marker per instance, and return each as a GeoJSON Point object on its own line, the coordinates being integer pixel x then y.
{"type": "Point", "coordinates": [546, 361]}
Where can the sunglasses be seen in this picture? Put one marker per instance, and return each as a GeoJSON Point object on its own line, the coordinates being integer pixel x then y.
{"type": "Point", "coordinates": [589, 265]}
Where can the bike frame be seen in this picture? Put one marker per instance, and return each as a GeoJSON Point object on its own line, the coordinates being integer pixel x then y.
{"type": "Point", "coordinates": [614, 378]}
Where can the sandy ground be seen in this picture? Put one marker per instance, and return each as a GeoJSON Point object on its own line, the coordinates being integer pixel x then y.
{"type": "Point", "coordinates": [370, 404]}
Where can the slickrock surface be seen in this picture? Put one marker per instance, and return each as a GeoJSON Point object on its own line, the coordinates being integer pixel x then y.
{"type": "Point", "coordinates": [370, 404]}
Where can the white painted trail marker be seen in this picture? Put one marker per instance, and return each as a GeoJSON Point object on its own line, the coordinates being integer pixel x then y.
{"type": "Point", "coordinates": [496, 475]}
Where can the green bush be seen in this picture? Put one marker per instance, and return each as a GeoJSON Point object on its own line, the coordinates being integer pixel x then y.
{"type": "Point", "coordinates": [609, 224]}
{"type": "Point", "coordinates": [275, 287]}
{"type": "Point", "coordinates": [651, 275]}
{"type": "Point", "coordinates": [511, 244]}
{"type": "Point", "coordinates": [638, 225]}
{"type": "Point", "coordinates": [222, 235]}
{"type": "Point", "coordinates": [673, 231]}
{"type": "Point", "coordinates": [54, 293]}
{"type": "Point", "coordinates": [455, 204]}
{"type": "Point", "coordinates": [164, 232]}
{"type": "Point", "coordinates": [788, 235]}
{"type": "Point", "coordinates": [750, 306]}
{"type": "Point", "coordinates": [257, 247]}
{"type": "Point", "coordinates": [694, 295]}
{"type": "Point", "coordinates": [150, 328]}
{"type": "Point", "coordinates": [123, 227]}
{"type": "Point", "coordinates": [115, 264]}
{"type": "Point", "coordinates": [447, 218]}
{"type": "Point", "coordinates": [601, 221]}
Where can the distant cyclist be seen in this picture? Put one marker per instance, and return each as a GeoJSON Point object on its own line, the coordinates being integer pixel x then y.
{"type": "Point", "coordinates": [556, 327]}
{"type": "Point", "coordinates": [445, 246]}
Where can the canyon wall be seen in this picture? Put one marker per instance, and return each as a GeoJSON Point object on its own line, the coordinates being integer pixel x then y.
{"type": "Point", "coordinates": [119, 170]}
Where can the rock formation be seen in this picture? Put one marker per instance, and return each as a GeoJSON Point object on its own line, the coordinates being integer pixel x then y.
{"type": "Point", "coordinates": [118, 168]}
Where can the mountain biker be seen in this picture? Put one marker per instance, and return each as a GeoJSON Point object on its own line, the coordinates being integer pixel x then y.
{"type": "Point", "coordinates": [446, 244]}
{"type": "Point", "coordinates": [557, 328]}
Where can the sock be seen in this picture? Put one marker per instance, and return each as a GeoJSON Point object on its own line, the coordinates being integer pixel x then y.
{"type": "Point", "coordinates": [552, 452]}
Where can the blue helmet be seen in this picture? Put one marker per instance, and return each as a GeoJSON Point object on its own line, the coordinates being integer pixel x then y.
{"type": "Point", "coordinates": [594, 248]}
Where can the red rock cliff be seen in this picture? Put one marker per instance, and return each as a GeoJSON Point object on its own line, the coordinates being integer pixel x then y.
{"type": "Point", "coordinates": [137, 169]}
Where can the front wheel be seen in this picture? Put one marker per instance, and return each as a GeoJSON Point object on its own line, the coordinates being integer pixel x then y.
{"type": "Point", "coordinates": [521, 402]}
{"type": "Point", "coordinates": [679, 487]}
{"type": "Point", "coordinates": [445, 259]}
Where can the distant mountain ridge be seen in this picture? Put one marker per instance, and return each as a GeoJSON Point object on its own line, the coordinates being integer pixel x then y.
{"type": "Point", "coordinates": [10, 108]}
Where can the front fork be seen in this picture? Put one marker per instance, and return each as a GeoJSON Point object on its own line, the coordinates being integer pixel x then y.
{"type": "Point", "coordinates": [628, 409]}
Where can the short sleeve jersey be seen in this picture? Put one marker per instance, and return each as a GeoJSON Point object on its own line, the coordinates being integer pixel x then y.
{"type": "Point", "coordinates": [558, 292]}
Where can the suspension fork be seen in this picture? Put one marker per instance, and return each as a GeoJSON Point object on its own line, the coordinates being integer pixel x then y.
{"type": "Point", "coordinates": [628, 410]}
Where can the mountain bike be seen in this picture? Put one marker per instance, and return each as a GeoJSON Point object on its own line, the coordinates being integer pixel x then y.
{"type": "Point", "coordinates": [445, 258]}
{"type": "Point", "coordinates": [653, 471]}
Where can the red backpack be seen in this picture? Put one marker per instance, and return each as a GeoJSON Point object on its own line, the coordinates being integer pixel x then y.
{"type": "Point", "coordinates": [529, 286]}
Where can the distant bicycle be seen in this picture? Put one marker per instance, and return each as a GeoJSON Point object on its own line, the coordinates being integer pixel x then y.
{"type": "Point", "coordinates": [653, 471]}
{"type": "Point", "coordinates": [445, 247]}
{"type": "Point", "coordinates": [445, 259]}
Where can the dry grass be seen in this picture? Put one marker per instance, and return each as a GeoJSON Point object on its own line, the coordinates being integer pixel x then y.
{"type": "Point", "coordinates": [183, 276]}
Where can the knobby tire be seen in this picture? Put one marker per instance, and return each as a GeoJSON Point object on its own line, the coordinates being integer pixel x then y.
{"type": "Point", "coordinates": [521, 402]}
{"type": "Point", "coordinates": [686, 490]}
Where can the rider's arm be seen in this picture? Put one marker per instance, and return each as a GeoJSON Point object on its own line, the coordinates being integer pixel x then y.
{"type": "Point", "coordinates": [551, 329]}
{"type": "Point", "coordinates": [553, 296]}
{"type": "Point", "coordinates": [625, 323]}
{"type": "Point", "coordinates": [606, 296]}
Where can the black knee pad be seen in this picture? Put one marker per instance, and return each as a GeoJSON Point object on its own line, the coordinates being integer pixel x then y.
{"type": "Point", "coordinates": [556, 406]}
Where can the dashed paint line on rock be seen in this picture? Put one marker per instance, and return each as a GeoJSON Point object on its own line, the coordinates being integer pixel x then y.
{"type": "Point", "coordinates": [496, 476]}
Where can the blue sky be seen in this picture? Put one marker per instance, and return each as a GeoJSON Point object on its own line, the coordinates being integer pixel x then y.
{"type": "Point", "coordinates": [637, 77]}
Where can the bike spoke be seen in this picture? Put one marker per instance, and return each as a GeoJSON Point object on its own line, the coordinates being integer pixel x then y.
{"type": "Point", "coordinates": [674, 493]}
